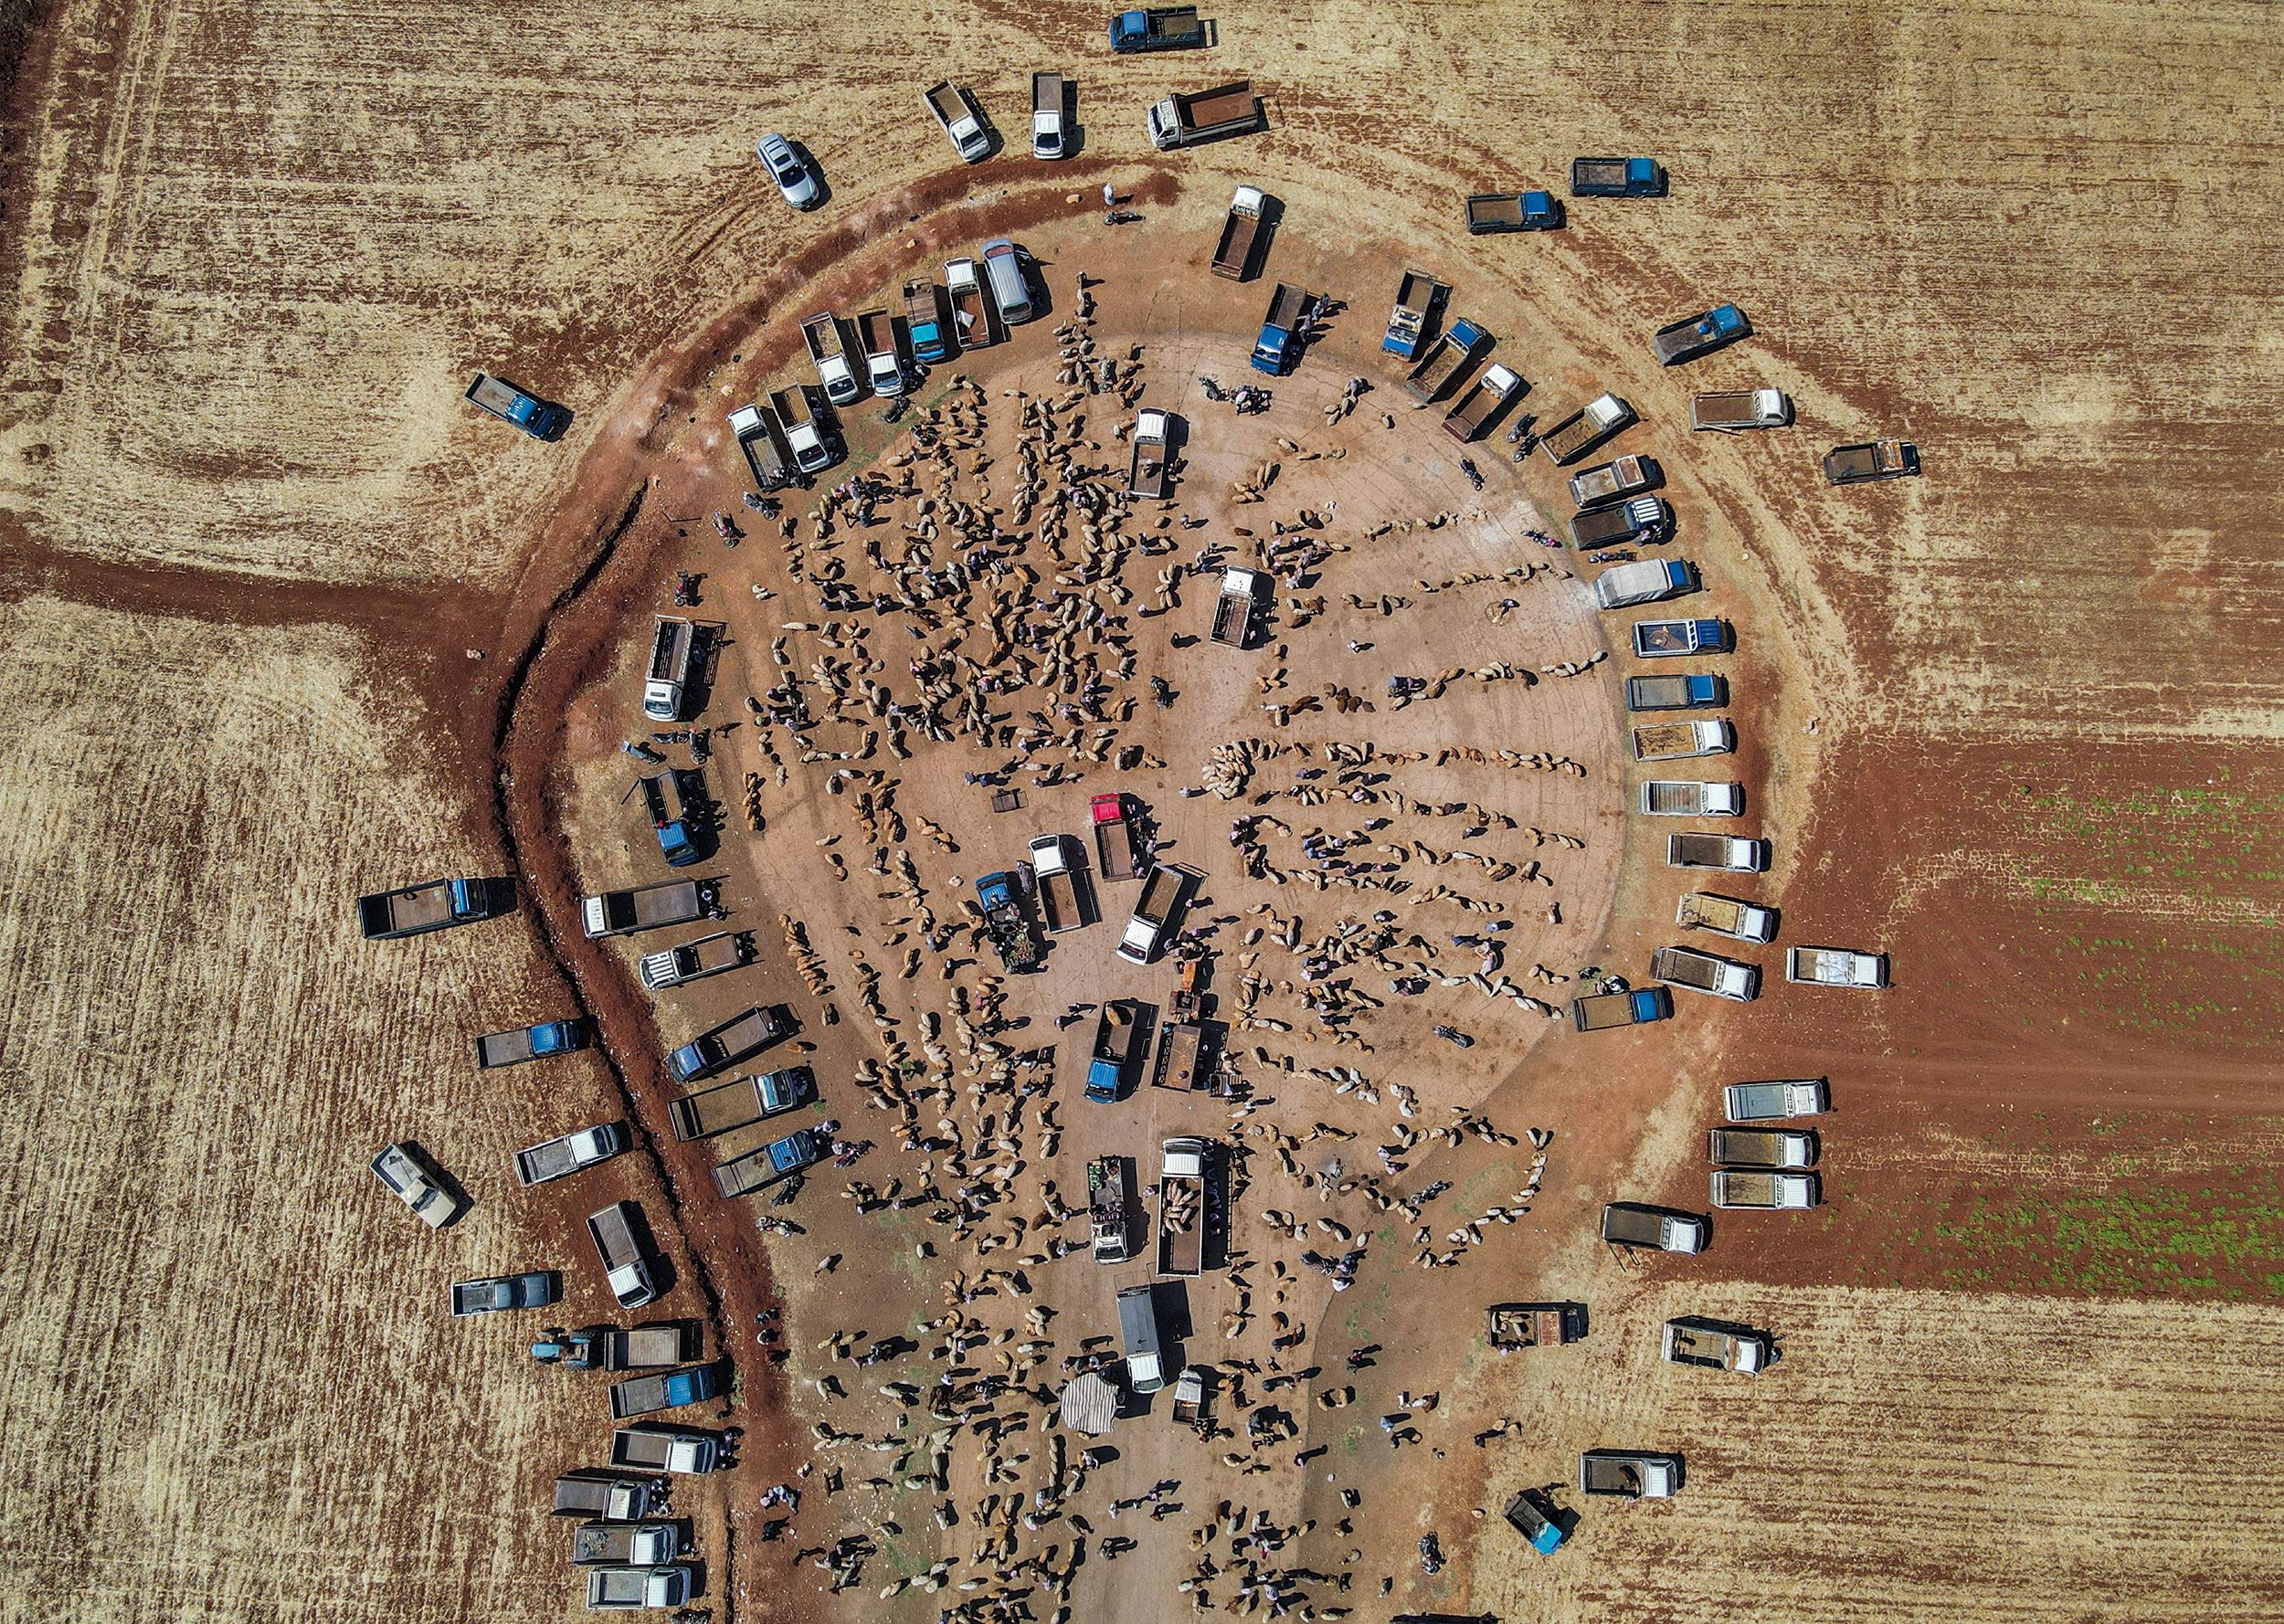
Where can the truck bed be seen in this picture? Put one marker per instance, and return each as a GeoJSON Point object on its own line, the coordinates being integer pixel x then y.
{"type": "Point", "coordinates": [717, 1110]}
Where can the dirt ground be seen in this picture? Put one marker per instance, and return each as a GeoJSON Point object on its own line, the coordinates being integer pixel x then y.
{"type": "Point", "coordinates": [280, 610]}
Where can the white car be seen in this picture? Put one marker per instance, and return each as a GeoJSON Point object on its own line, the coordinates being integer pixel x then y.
{"type": "Point", "coordinates": [798, 185]}
{"type": "Point", "coordinates": [417, 1185]}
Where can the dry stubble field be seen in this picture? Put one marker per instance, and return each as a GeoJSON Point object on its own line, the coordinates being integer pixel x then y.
{"type": "Point", "coordinates": [248, 263]}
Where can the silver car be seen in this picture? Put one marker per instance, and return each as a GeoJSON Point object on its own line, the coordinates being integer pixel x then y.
{"type": "Point", "coordinates": [794, 179]}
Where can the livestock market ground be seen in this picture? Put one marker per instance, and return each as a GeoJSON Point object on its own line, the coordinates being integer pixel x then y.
{"type": "Point", "coordinates": [284, 621]}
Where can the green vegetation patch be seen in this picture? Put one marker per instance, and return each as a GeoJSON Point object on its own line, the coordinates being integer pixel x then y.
{"type": "Point", "coordinates": [2149, 1239]}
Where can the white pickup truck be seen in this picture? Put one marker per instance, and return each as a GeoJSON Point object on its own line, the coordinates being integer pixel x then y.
{"type": "Point", "coordinates": [1729, 853]}
{"type": "Point", "coordinates": [1775, 1101]}
{"type": "Point", "coordinates": [1677, 740]}
{"type": "Point", "coordinates": [1766, 1192]}
{"type": "Point", "coordinates": [1691, 797]}
{"type": "Point", "coordinates": [1725, 916]}
{"type": "Point", "coordinates": [568, 1154]}
{"type": "Point", "coordinates": [1835, 966]}
{"type": "Point", "coordinates": [1706, 972]}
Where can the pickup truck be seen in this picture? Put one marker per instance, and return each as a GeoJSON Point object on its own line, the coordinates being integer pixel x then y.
{"type": "Point", "coordinates": [1138, 1331]}
{"type": "Point", "coordinates": [1116, 853]}
{"type": "Point", "coordinates": [728, 1043]}
{"type": "Point", "coordinates": [1598, 1012]}
{"type": "Point", "coordinates": [1418, 299]}
{"type": "Point", "coordinates": [761, 441]}
{"type": "Point", "coordinates": [431, 905]}
{"type": "Point", "coordinates": [1631, 1475]}
{"type": "Point", "coordinates": [925, 323]}
{"type": "Point", "coordinates": [497, 1293]}
{"type": "Point", "coordinates": [530, 1043]}
{"type": "Point", "coordinates": [1233, 608]}
{"type": "Point", "coordinates": [1725, 916]}
{"type": "Point", "coordinates": [1835, 966]}
{"type": "Point", "coordinates": [1637, 519]}
{"type": "Point", "coordinates": [1178, 1049]}
{"type": "Point", "coordinates": [1144, 933]}
{"type": "Point", "coordinates": [1712, 1344]}
{"type": "Point", "coordinates": [1729, 411]}
{"type": "Point", "coordinates": [828, 348]}
{"type": "Point", "coordinates": [665, 1448]}
{"type": "Point", "coordinates": [1766, 1192]}
{"type": "Point", "coordinates": [1117, 1036]}
{"type": "Point", "coordinates": [740, 1103]}
{"type": "Point", "coordinates": [1873, 460]}
{"type": "Point", "coordinates": [404, 1170]}
{"type": "Point", "coordinates": [1159, 28]}
{"type": "Point", "coordinates": [1655, 1229]}
{"type": "Point", "coordinates": [1005, 922]}
{"type": "Point", "coordinates": [884, 359]}
{"type": "Point", "coordinates": [1644, 581]}
{"type": "Point", "coordinates": [1775, 1101]}
{"type": "Point", "coordinates": [1048, 137]}
{"type": "Point", "coordinates": [662, 803]}
{"type": "Point", "coordinates": [1058, 888]}
{"type": "Point", "coordinates": [1691, 797]}
{"type": "Point", "coordinates": [568, 1152]}
{"type": "Point", "coordinates": [1491, 212]}
{"type": "Point", "coordinates": [1240, 235]}
{"type": "Point", "coordinates": [1699, 691]}
{"type": "Point", "coordinates": [543, 420]}
{"type": "Point", "coordinates": [1188, 1397]}
{"type": "Point", "coordinates": [1616, 177]}
{"type": "Point", "coordinates": [619, 1237]}
{"type": "Point", "coordinates": [1180, 121]}
{"type": "Point", "coordinates": [1707, 973]}
{"type": "Point", "coordinates": [1612, 481]}
{"type": "Point", "coordinates": [1731, 853]}
{"type": "Point", "coordinates": [1511, 1326]}
{"type": "Point", "coordinates": [1278, 347]}
{"type": "Point", "coordinates": [668, 1389]}
{"type": "Point", "coordinates": [630, 1589]}
{"type": "Point", "coordinates": [1149, 471]}
{"type": "Point", "coordinates": [1181, 1205]}
{"type": "Point", "coordinates": [695, 959]}
{"type": "Point", "coordinates": [809, 428]}
{"type": "Point", "coordinates": [1530, 1513]}
{"type": "Point", "coordinates": [624, 1545]}
{"type": "Point", "coordinates": [1775, 1150]}
{"type": "Point", "coordinates": [1585, 429]}
{"type": "Point", "coordinates": [617, 1347]}
{"type": "Point", "coordinates": [1677, 740]}
{"type": "Point", "coordinates": [1657, 639]}
{"type": "Point", "coordinates": [971, 307]}
{"type": "Point", "coordinates": [673, 655]}
{"type": "Point", "coordinates": [955, 109]}
{"type": "Point", "coordinates": [1446, 360]}
{"type": "Point", "coordinates": [611, 1496]}
{"type": "Point", "coordinates": [647, 907]}
{"type": "Point", "coordinates": [779, 1159]}
{"type": "Point", "coordinates": [1486, 398]}
{"type": "Point", "coordinates": [1693, 336]}
{"type": "Point", "coordinates": [1110, 1216]}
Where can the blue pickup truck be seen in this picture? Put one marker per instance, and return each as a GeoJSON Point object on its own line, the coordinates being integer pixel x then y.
{"type": "Point", "coordinates": [1117, 1038]}
{"type": "Point", "coordinates": [1702, 691]}
{"type": "Point", "coordinates": [1600, 1011]}
{"type": "Point", "coordinates": [1616, 177]}
{"type": "Point", "coordinates": [665, 798]}
{"type": "Point", "coordinates": [432, 905]}
{"type": "Point", "coordinates": [530, 1043]}
{"type": "Point", "coordinates": [1279, 345]}
{"type": "Point", "coordinates": [541, 419]}
{"type": "Point", "coordinates": [1693, 336]}
{"type": "Point", "coordinates": [1655, 639]}
{"type": "Point", "coordinates": [1160, 28]}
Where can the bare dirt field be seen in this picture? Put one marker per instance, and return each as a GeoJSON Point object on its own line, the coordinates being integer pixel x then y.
{"type": "Point", "coordinates": [285, 620]}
